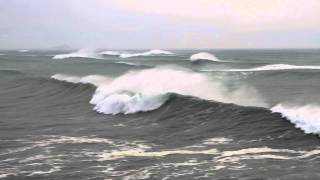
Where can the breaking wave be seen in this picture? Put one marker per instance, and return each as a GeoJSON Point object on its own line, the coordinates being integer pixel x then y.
{"type": "Point", "coordinates": [305, 117]}
{"type": "Point", "coordinates": [153, 52]}
{"type": "Point", "coordinates": [204, 56]}
{"type": "Point", "coordinates": [270, 67]}
{"type": "Point", "coordinates": [83, 53]}
{"type": "Point", "coordinates": [146, 90]}
{"type": "Point", "coordinates": [110, 53]}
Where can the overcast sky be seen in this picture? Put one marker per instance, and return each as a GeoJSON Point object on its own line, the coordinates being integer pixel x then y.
{"type": "Point", "coordinates": [160, 23]}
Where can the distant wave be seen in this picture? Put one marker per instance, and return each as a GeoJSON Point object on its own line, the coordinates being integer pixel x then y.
{"type": "Point", "coordinates": [127, 63]}
{"type": "Point", "coordinates": [305, 117]}
{"type": "Point", "coordinates": [146, 90]}
{"type": "Point", "coordinates": [271, 67]}
{"type": "Point", "coordinates": [23, 50]}
{"type": "Point", "coordinates": [110, 53]}
{"type": "Point", "coordinates": [204, 56]}
{"type": "Point", "coordinates": [153, 52]}
{"type": "Point", "coordinates": [83, 53]}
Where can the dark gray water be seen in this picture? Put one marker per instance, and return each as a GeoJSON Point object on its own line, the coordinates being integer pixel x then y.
{"type": "Point", "coordinates": [244, 114]}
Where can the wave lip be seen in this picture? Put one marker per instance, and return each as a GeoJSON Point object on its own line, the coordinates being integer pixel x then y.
{"type": "Point", "coordinates": [153, 52]}
{"type": "Point", "coordinates": [305, 117]}
{"type": "Point", "coordinates": [82, 53]}
{"type": "Point", "coordinates": [204, 56]}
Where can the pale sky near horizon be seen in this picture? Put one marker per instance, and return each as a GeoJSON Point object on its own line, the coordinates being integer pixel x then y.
{"type": "Point", "coordinates": [160, 23]}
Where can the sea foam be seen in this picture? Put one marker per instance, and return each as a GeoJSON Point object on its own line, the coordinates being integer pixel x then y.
{"type": "Point", "coordinates": [305, 117]}
{"type": "Point", "coordinates": [146, 90]}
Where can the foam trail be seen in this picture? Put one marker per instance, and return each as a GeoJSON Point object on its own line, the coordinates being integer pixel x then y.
{"type": "Point", "coordinates": [110, 53]}
{"type": "Point", "coordinates": [83, 53]}
{"type": "Point", "coordinates": [305, 117]}
{"type": "Point", "coordinates": [204, 56]}
{"type": "Point", "coordinates": [153, 52]}
{"type": "Point", "coordinates": [146, 90]}
{"type": "Point", "coordinates": [271, 67]}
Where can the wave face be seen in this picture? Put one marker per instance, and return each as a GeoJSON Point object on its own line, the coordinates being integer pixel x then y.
{"type": "Point", "coordinates": [204, 56]}
{"type": "Point", "coordinates": [306, 117]}
{"type": "Point", "coordinates": [137, 91]}
{"type": "Point", "coordinates": [82, 53]}
{"type": "Point", "coordinates": [153, 52]}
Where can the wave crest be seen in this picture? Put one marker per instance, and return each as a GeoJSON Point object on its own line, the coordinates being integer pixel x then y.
{"type": "Point", "coordinates": [305, 117]}
{"type": "Point", "coordinates": [204, 56]}
{"type": "Point", "coordinates": [82, 53]}
{"type": "Point", "coordinates": [153, 52]}
{"type": "Point", "coordinates": [110, 53]}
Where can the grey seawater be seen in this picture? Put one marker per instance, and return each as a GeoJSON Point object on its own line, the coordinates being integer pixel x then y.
{"type": "Point", "coordinates": [49, 130]}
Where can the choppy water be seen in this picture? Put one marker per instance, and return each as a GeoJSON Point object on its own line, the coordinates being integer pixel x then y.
{"type": "Point", "coordinates": [220, 114]}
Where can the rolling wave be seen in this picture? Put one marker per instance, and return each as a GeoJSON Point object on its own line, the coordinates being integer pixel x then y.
{"type": "Point", "coordinates": [270, 67]}
{"type": "Point", "coordinates": [204, 56]}
{"type": "Point", "coordinates": [153, 52]}
{"type": "Point", "coordinates": [305, 117]}
{"type": "Point", "coordinates": [82, 53]}
{"type": "Point", "coordinates": [146, 90]}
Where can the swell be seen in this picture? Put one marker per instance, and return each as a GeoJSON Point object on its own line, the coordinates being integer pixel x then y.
{"type": "Point", "coordinates": [43, 96]}
{"type": "Point", "coordinates": [59, 97]}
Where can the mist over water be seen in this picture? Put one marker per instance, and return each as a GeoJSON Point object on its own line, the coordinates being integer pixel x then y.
{"type": "Point", "coordinates": [154, 114]}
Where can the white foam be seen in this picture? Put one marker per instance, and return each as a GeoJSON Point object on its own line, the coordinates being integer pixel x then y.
{"type": "Point", "coordinates": [305, 117]}
{"type": "Point", "coordinates": [110, 53]}
{"type": "Point", "coordinates": [146, 90]}
{"type": "Point", "coordinates": [143, 153]}
{"type": "Point", "coordinates": [148, 53]}
{"type": "Point", "coordinates": [270, 67]}
{"type": "Point", "coordinates": [204, 56]}
{"type": "Point", "coordinates": [83, 53]}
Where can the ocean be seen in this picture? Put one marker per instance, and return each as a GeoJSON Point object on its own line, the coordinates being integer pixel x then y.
{"type": "Point", "coordinates": [160, 114]}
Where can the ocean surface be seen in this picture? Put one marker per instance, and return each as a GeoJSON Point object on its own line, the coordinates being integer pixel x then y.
{"type": "Point", "coordinates": [160, 114]}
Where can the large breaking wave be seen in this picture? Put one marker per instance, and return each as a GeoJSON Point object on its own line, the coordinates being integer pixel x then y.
{"type": "Point", "coordinates": [146, 90]}
{"type": "Point", "coordinates": [305, 117]}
